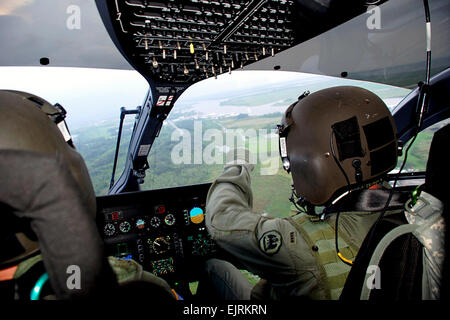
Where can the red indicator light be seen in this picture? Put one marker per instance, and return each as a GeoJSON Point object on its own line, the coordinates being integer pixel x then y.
{"type": "Point", "coordinates": [115, 215]}
{"type": "Point", "coordinates": [161, 209]}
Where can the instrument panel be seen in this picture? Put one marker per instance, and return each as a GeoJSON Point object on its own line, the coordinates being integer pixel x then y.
{"type": "Point", "coordinates": [164, 230]}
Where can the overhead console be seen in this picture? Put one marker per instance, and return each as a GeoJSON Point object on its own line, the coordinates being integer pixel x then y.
{"type": "Point", "coordinates": [164, 230]}
{"type": "Point", "coordinates": [188, 41]}
{"type": "Point", "coordinates": [185, 41]}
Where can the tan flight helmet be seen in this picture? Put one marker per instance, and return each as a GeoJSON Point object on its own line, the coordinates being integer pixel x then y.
{"type": "Point", "coordinates": [29, 123]}
{"type": "Point", "coordinates": [335, 140]}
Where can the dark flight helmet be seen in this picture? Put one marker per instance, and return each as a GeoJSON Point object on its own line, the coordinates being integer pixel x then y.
{"type": "Point", "coordinates": [335, 140]}
{"type": "Point", "coordinates": [29, 123]}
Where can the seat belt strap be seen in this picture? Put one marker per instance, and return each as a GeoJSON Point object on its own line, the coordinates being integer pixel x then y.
{"type": "Point", "coordinates": [379, 251]}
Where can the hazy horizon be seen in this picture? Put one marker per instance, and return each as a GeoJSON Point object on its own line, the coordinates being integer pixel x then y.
{"type": "Point", "coordinates": [93, 95]}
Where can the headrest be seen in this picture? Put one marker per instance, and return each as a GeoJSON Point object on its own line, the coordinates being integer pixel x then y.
{"type": "Point", "coordinates": [437, 176]}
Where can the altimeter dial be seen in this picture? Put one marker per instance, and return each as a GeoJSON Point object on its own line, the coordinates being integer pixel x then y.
{"type": "Point", "coordinates": [169, 219]}
{"type": "Point", "coordinates": [125, 226]}
{"type": "Point", "coordinates": [109, 229]}
{"type": "Point", "coordinates": [161, 245]}
{"type": "Point", "coordinates": [155, 222]}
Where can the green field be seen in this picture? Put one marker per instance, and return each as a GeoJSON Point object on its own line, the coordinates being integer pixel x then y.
{"type": "Point", "coordinates": [97, 145]}
{"type": "Point", "coordinates": [287, 94]}
{"type": "Point", "coordinates": [252, 123]}
{"type": "Point", "coordinates": [418, 154]}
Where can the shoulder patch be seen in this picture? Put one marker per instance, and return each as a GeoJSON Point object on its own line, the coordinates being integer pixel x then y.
{"type": "Point", "coordinates": [270, 242]}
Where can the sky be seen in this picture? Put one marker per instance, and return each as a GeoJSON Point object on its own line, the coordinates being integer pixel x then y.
{"type": "Point", "coordinates": [88, 95]}
{"type": "Point", "coordinates": [91, 95]}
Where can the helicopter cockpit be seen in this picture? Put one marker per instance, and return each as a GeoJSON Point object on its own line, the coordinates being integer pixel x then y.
{"type": "Point", "coordinates": [175, 45]}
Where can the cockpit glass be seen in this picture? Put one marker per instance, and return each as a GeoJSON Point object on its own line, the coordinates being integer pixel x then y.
{"type": "Point", "coordinates": [238, 110]}
{"type": "Point", "coordinates": [92, 98]}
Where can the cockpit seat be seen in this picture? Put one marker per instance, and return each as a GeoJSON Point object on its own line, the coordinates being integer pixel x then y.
{"type": "Point", "coordinates": [412, 265]}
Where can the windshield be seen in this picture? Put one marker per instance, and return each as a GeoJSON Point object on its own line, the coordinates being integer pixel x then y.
{"type": "Point", "coordinates": [92, 98]}
{"type": "Point", "coordinates": [240, 109]}
{"type": "Point", "coordinates": [212, 116]}
{"type": "Point", "coordinates": [235, 110]}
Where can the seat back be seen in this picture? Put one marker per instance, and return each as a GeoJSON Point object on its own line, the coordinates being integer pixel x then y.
{"type": "Point", "coordinates": [437, 180]}
{"type": "Point", "coordinates": [401, 268]}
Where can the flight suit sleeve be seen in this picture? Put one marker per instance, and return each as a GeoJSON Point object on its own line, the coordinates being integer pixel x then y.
{"type": "Point", "coordinates": [269, 247]}
{"type": "Point", "coordinates": [40, 190]}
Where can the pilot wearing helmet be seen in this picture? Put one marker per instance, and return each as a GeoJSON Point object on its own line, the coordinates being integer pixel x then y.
{"type": "Point", "coordinates": [336, 143]}
{"type": "Point", "coordinates": [47, 205]}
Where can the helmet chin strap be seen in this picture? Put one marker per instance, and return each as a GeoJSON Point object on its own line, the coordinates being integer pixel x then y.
{"type": "Point", "coordinates": [301, 204]}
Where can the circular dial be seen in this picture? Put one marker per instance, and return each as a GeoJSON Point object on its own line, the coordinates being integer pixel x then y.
{"type": "Point", "coordinates": [161, 245]}
{"type": "Point", "coordinates": [109, 229]}
{"type": "Point", "coordinates": [140, 224]}
{"type": "Point", "coordinates": [155, 222]}
{"type": "Point", "coordinates": [169, 219]}
{"type": "Point", "coordinates": [125, 226]}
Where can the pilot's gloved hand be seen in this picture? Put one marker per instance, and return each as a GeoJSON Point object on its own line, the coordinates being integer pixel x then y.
{"type": "Point", "coordinates": [128, 271]}
{"type": "Point", "coordinates": [240, 156]}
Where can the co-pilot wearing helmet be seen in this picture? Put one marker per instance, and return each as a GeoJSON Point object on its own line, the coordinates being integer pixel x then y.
{"type": "Point", "coordinates": [47, 207]}
{"type": "Point", "coordinates": [332, 141]}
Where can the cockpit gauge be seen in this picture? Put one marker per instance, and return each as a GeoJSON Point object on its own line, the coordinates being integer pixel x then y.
{"type": "Point", "coordinates": [155, 222]}
{"type": "Point", "coordinates": [125, 226]}
{"type": "Point", "coordinates": [196, 215]}
{"type": "Point", "coordinates": [160, 209]}
{"type": "Point", "coordinates": [161, 245]}
{"type": "Point", "coordinates": [140, 224]}
{"type": "Point", "coordinates": [109, 229]}
{"type": "Point", "coordinates": [169, 219]}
